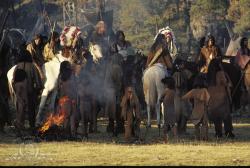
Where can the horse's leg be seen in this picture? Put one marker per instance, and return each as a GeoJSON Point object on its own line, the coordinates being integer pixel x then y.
{"type": "Point", "coordinates": [41, 106]}
{"type": "Point", "coordinates": [228, 126]}
{"type": "Point", "coordinates": [218, 127]}
{"type": "Point", "coordinates": [163, 116]}
{"type": "Point", "coordinates": [120, 121]}
{"type": "Point", "coordinates": [52, 102]}
{"type": "Point", "coordinates": [158, 113]}
{"type": "Point", "coordinates": [95, 108]}
{"type": "Point", "coordinates": [149, 116]}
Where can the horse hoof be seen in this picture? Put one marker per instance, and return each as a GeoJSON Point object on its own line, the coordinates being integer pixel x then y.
{"type": "Point", "coordinates": [109, 129]}
{"type": "Point", "coordinates": [148, 126]}
{"type": "Point", "coordinates": [218, 135]}
{"type": "Point", "coordinates": [230, 135]}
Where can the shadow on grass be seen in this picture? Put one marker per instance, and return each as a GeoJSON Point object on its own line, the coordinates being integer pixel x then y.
{"type": "Point", "coordinates": [149, 136]}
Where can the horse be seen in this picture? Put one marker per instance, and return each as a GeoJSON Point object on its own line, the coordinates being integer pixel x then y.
{"type": "Point", "coordinates": [153, 87]}
{"type": "Point", "coordinates": [113, 92]}
{"type": "Point", "coordinates": [92, 76]}
{"type": "Point", "coordinates": [8, 58]}
{"type": "Point", "coordinates": [220, 103]}
{"type": "Point", "coordinates": [4, 105]}
{"type": "Point", "coordinates": [133, 68]}
{"type": "Point", "coordinates": [182, 108]}
{"type": "Point", "coordinates": [247, 82]}
{"type": "Point", "coordinates": [51, 72]}
{"type": "Point", "coordinates": [184, 73]}
{"type": "Point", "coordinates": [234, 73]}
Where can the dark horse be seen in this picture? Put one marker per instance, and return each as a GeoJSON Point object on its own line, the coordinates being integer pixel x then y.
{"type": "Point", "coordinates": [6, 55]}
{"type": "Point", "coordinates": [221, 105]}
{"type": "Point", "coordinates": [227, 65]}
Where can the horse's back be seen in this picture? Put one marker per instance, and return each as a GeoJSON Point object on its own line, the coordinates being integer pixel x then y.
{"type": "Point", "coordinates": [152, 84]}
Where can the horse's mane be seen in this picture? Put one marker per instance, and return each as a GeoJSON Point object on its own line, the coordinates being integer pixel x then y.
{"type": "Point", "coordinates": [191, 66]}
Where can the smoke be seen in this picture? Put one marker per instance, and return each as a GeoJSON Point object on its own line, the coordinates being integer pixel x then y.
{"type": "Point", "coordinates": [98, 80]}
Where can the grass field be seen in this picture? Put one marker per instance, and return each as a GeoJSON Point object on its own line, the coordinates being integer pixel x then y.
{"type": "Point", "coordinates": [103, 149]}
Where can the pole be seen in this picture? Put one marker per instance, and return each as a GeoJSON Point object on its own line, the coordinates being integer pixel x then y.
{"type": "Point", "coordinates": [63, 13]}
{"type": "Point", "coordinates": [156, 25]}
{"type": "Point", "coordinates": [76, 7]}
{"type": "Point", "coordinates": [169, 20]}
{"type": "Point", "coordinates": [4, 21]}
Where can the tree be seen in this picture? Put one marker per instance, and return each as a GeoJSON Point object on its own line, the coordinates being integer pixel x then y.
{"type": "Point", "coordinates": [206, 16]}
{"type": "Point", "coordinates": [136, 21]}
{"type": "Point", "coordinates": [239, 13]}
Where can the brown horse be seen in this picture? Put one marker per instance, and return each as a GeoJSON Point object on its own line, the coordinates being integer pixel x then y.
{"type": "Point", "coordinates": [113, 93]}
{"type": "Point", "coordinates": [247, 81]}
{"type": "Point", "coordinates": [182, 108]}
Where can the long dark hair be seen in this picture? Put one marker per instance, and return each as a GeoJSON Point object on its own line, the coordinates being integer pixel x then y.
{"type": "Point", "coordinates": [243, 47]}
{"type": "Point", "coordinates": [200, 81]}
{"type": "Point", "coordinates": [53, 36]}
{"type": "Point", "coordinates": [65, 71]}
{"type": "Point", "coordinates": [214, 66]}
{"type": "Point", "coordinates": [210, 37]}
{"type": "Point", "coordinates": [19, 75]}
{"type": "Point", "coordinates": [118, 33]}
{"type": "Point", "coordinates": [202, 42]}
{"type": "Point", "coordinates": [37, 36]}
{"type": "Point", "coordinates": [24, 55]}
{"type": "Point", "coordinates": [169, 81]}
{"type": "Point", "coordinates": [159, 42]}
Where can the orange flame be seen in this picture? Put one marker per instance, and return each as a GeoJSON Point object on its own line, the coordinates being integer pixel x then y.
{"type": "Point", "coordinates": [56, 119]}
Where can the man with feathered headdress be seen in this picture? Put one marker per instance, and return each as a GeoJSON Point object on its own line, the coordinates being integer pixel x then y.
{"type": "Point", "coordinates": [171, 41]}
{"type": "Point", "coordinates": [68, 40]}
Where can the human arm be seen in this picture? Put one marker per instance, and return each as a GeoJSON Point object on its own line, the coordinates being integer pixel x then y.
{"type": "Point", "coordinates": [188, 95]}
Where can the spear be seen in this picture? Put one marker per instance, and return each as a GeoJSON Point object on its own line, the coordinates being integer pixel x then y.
{"type": "Point", "coordinates": [52, 34]}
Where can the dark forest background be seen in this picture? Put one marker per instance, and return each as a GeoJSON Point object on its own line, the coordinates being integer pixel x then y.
{"type": "Point", "coordinates": [141, 19]}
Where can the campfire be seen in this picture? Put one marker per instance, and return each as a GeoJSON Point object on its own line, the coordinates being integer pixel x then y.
{"type": "Point", "coordinates": [55, 119]}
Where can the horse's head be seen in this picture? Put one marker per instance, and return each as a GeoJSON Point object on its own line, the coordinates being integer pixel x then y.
{"type": "Point", "coordinates": [96, 52]}
{"type": "Point", "coordinates": [221, 78]}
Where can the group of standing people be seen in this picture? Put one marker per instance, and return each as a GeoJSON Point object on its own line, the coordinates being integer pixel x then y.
{"type": "Point", "coordinates": [29, 77]}
{"type": "Point", "coordinates": [211, 94]}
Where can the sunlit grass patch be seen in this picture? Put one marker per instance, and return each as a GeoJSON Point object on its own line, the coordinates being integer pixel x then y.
{"type": "Point", "coordinates": [103, 149]}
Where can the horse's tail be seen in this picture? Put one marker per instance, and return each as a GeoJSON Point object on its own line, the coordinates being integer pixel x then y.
{"type": "Point", "coordinates": [10, 75]}
{"type": "Point", "coordinates": [12, 93]}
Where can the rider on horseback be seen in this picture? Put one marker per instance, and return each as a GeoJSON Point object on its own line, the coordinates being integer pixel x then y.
{"type": "Point", "coordinates": [158, 52]}
{"type": "Point", "coordinates": [100, 37]}
{"type": "Point", "coordinates": [243, 54]}
{"type": "Point", "coordinates": [52, 47]}
{"type": "Point", "coordinates": [121, 45]}
{"type": "Point", "coordinates": [208, 52]}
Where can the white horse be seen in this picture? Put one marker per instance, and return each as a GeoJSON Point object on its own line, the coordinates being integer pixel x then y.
{"type": "Point", "coordinates": [51, 71]}
{"type": "Point", "coordinates": [153, 87]}
{"type": "Point", "coordinates": [96, 52]}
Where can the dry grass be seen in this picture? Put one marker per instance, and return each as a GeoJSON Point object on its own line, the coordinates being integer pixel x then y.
{"type": "Point", "coordinates": [102, 149]}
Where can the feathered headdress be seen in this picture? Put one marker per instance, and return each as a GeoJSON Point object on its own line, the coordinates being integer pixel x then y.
{"type": "Point", "coordinates": [69, 36]}
{"type": "Point", "coordinates": [167, 31]}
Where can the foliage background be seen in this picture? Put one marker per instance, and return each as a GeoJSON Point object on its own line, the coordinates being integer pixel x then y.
{"type": "Point", "coordinates": [140, 19]}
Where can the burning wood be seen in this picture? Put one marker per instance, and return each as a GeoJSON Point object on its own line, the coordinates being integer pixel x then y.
{"type": "Point", "coordinates": [56, 119]}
